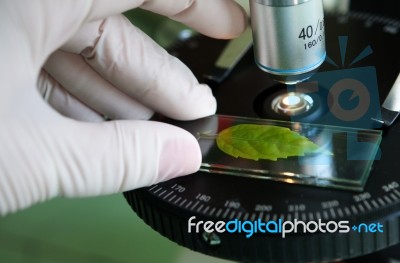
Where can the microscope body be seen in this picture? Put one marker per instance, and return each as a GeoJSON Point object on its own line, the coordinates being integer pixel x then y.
{"type": "Point", "coordinates": [288, 37]}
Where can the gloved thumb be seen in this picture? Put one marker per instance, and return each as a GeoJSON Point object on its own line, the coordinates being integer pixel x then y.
{"type": "Point", "coordinates": [75, 159]}
{"type": "Point", "coordinates": [123, 155]}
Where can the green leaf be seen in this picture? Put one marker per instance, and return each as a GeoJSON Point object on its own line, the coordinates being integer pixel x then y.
{"type": "Point", "coordinates": [252, 141]}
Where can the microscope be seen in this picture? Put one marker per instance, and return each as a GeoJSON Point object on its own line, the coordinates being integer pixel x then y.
{"type": "Point", "coordinates": [288, 43]}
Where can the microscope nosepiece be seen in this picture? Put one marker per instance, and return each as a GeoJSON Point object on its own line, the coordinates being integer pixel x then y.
{"type": "Point", "coordinates": [289, 38]}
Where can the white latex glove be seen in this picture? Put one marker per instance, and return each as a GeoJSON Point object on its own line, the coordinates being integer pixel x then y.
{"type": "Point", "coordinates": [103, 66]}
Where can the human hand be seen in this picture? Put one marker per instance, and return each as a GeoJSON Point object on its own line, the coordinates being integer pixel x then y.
{"type": "Point", "coordinates": [87, 61]}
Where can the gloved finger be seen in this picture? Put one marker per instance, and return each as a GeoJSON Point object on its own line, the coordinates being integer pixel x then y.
{"type": "Point", "coordinates": [64, 102]}
{"type": "Point", "coordinates": [122, 155]}
{"type": "Point", "coordinates": [139, 67]}
{"type": "Point", "coordinates": [76, 76]}
{"type": "Point", "coordinates": [219, 19]}
{"type": "Point", "coordinates": [45, 156]}
{"type": "Point", "coordinates": [43, 26]}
